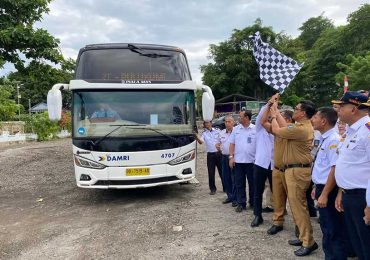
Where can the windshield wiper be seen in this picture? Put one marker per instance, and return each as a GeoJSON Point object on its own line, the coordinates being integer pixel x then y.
{"type": "Point", "coordinates": [142, 52]}
{"type": "Point", "coordinates": [115, 129]}
{"type": "Point", "coordinates": [131, 126]}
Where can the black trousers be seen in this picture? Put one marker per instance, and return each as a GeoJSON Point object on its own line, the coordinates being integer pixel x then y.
{"type": "Point", "coordinates": [213, 161]}
{"type": "Point", "coordinates": [354, 203]}
{"type": "Point", "coordinates": [310, 202]}
{"type": "Point", "coordinates": [335, 241]}
{"type": "Point", "coordinates": [244, 172]}
{"type": "Point", "coordinates": [260, 175]}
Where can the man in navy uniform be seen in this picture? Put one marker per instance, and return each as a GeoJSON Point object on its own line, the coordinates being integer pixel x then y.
{"type": "Point", "coordinates": [334, 240]}
{"type": "Point", "coordinates": [228, 175]}
{"type": "Point", "coordinates": [352, 172]}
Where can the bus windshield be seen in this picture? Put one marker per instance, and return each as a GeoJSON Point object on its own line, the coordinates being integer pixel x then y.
{"type": "Point", "coordinates": [130, 65]}
{"type": "Point", "coordinates": [139, 113]}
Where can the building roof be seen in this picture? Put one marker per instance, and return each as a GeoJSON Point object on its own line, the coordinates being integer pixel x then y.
{"type": "Point", "coordinates": [235, 98]}
{"type": "Point", "coordinates": [40, 107]}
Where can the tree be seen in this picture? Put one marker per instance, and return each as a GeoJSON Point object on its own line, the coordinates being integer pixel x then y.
{"type": "Point", "coordinates": [312, 29]}
{"type": "Point", "coordinates": [19, 39]}
{"type": "Point", "coordinates": [8, 107]}
{"type": "Point", "coordinates": [38, 78]}
{"type": "Point", "coordinates": [234, 69]}
{"type": "Point", "coordinates": [330, 49]}
{"type": "Point", "coordinates": [357, 32]}
{"type": "Point", "coordinates": [358, 71]}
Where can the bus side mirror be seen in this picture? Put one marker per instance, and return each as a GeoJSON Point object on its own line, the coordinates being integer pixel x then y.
{"type": "Point", "coordinates": [208, 103]}
{"type": "Point", "coordinates": [54, 100]}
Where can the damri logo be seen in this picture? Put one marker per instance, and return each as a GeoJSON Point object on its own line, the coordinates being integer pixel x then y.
{"type": "Point", "coordinates": [112, 158]}
{"type": "Point", "coordinates": [102, 158]}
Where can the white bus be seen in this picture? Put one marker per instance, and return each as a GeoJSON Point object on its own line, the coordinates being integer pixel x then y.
{"type": "Point", "coordinates": [133, 116]}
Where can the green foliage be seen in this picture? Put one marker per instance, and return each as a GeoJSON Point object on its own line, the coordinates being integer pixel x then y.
{"type": "Point", "coordinates": [357, 32]}
{"type": "Point", "coordinates": [234, 69]}
{"type": "Point", "coordinates": [18, 37]}
{"type": "Point", "coordinates": [312, 29]}
{"type": "Point", "coordinates": [44, 128]}
{"type": "Point", "coordinates": [28, 120]}
{"type": "Point", "coordinates": [37, 79]}
{"type": "Point", "coordinates": [358, 71]}
{"type": "Point", "coordinates": [8, 107]}
{"type": "Point", "coordinates": [65, 122]}
{"type": "Point", "coordinates": [290, 100]}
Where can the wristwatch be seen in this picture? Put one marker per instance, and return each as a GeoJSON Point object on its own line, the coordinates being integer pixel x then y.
{"type": "Point", "coordinates": [230, 156]}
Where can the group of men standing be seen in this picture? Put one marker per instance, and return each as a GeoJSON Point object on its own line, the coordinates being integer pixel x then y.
{"type": "Point", "coordinates": [279, 148]}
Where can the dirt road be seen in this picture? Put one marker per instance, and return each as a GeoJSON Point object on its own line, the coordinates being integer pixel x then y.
{"type": "Point", "coordinates": [44, 215]}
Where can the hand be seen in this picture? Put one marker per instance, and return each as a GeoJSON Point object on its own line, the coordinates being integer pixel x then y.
{"type": "Point", "coordinates": [273, 112]}
{"type": "Point", "coordinates": [275, 107]}
{"type": "Point", "coordinates": [231, 163]}
{"type": "Point", "coordinates": [218, 147]}
{"type": "Point", "coordinates": [338, 201]}
{"type": "Point", "coordinates": [322, 201]}
{"type": "Point", "coordinates": [367, 215]}
{"type": "Point", "coordinates": [313, 193]}
{"type": "Point", "coordinates": [273, 99]}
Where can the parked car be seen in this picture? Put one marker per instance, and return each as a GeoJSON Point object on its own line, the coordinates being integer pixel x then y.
{"type": "Point", "coordinates": [220, 122]}
{"type": "Point", "coordinates": [253, 119]}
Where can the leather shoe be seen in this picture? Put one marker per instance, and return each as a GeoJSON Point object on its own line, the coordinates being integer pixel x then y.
{"type": "Point", "coordinates": [226, 201]}
{"type": "Point", "coordinates": [303, 251]}
{"type": "Point", "coordinates": [240, 208]}
{"type": "Point", "coordinates": [267, 209]}
{"type": "Point", "coordinates": [234, 204]}
{"type": "Point", "coordinates": [257, 221]}
{"type": "Point", "coordinates": [274, 229]}
{"type": "Point", "coordinates": [295, 242]}
{"type": "Point", "coordinates": [213, 192]}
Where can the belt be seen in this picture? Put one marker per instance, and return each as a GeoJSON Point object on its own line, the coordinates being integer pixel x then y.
{"type": "Point", "coordinates": [298, 165]}
{"type": "Point", "coordinates": [354, 191]}
{"type": "Point", "coordinates": [212, 152]}
{"type": "Point", "coordinates": [276, 168]}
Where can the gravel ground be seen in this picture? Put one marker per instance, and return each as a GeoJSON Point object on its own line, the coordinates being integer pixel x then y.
{"type": "Point", "coordinates": [44, 215]}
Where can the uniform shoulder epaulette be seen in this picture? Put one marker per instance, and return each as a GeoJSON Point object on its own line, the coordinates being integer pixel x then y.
{"type": "Point", "coordinates": [368, 125]}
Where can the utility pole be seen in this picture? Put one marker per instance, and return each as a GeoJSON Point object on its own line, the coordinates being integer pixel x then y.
{"type": "Point", "coordinates": [18, 97]}
{"type": "Point", "coordinates": [29, 106]}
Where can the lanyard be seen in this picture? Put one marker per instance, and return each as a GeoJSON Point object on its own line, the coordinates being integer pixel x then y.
{"type": "Point", "coordinates": [317, 152]}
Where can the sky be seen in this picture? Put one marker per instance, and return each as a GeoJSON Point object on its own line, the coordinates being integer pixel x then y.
{"type": "Point", "coordinates": [190, 25]}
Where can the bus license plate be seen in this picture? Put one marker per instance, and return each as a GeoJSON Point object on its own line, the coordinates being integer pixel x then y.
{"type": "Point", "coordinates": [137, 171]}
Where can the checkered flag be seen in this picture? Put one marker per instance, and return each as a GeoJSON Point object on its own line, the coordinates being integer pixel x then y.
{"type": "Point", "coordinates": [276, 69]}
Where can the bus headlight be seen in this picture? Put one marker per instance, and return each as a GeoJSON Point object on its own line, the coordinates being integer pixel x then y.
{"type": "Point", "coordinates": [83, 162]}
{"type": "Point", "coordinates": [183, 158]}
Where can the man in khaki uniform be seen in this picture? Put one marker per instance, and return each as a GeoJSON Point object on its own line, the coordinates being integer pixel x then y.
{"type": "Point", "coordinates": [278, 178]}
{"type": "Point", "coordinates": [297, 163]}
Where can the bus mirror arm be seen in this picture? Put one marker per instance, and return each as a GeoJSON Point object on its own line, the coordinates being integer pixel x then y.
{"type": "Point", "coordinates": [208, 102]}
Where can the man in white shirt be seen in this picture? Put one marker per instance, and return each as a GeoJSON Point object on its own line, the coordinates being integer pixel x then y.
{"type": "Point", "coordinates": [352, 171]}
{"type": "Point", "coordinates": [334, 240]}
{"type": "Point", "coordinates": [263, 164]}
{"type": "Point", "coordinates": [228, 175]}
{"type": "Point", "coordinates": [241, 156]}
{"type": "Point", "coordinates": [210, 137]}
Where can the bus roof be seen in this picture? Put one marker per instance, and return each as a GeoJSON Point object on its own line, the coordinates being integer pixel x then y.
{"type": "Point", "coordinates": [125, 46]}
